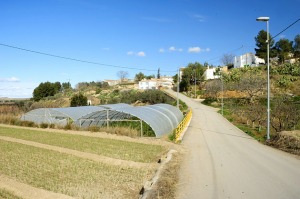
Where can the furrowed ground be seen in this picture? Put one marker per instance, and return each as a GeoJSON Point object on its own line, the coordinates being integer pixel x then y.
{"type": "Point", "coordinates": [80, 165]}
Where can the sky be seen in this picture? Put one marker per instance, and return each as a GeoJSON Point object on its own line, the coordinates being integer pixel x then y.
{"type": "Point", "coordinates": [108, 36]}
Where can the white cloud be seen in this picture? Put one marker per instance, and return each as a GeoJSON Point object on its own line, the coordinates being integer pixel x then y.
{"type": "Point", "coordinates": [194, 49]}
{"type": "Point", "coordinates": [198, 49]}
{"type": "Point", "coordinates": [161, 50]}
{"type": "Point", "coordinates": [141, 54]}
{"type": "Point", "coordinates": [130, 53]}
{"type": "Point", "coordinates": [173, 49]}
{"type": "Point", "coordinates": [10, 79]}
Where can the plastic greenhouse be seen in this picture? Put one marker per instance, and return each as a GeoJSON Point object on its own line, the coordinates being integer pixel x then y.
{"type": "Point", "coordinates": [162, 118]}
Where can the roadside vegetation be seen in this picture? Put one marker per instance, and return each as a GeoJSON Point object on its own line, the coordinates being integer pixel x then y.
{"type": "Point", "coordinates": [5, 194]}
{"type": "Point", "coordinates": [244, 99]}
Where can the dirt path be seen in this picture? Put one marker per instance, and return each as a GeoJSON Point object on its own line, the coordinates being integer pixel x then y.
{"type": "Point", "coordinates": [28, 192]}
{"type": "Point", "coordinates": [90, 156]}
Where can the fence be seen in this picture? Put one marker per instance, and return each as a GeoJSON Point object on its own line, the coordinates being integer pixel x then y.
{"type": "Point", "coordinates": [180, 130]}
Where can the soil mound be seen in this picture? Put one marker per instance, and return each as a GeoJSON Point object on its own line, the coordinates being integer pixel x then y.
{"type": "Point", "coordinates": [288, 141]}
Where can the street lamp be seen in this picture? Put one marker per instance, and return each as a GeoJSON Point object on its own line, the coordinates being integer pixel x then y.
{"type": "Point", "coordinates": [266, 19]}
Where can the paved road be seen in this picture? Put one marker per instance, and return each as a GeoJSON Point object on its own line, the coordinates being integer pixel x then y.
{"type": "Point", "coordinates": [223, 162]}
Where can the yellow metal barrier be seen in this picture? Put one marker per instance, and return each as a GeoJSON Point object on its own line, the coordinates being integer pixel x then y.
{"type": "Point", "coordinates": [182, 126]}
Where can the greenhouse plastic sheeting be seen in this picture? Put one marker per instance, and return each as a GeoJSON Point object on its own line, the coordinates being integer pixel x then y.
{"type": "Point", "coordinates": [162, 118]}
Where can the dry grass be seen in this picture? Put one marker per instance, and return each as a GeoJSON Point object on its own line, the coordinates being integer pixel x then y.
{"type": "Point", "coordinates": [288, 141]}
{"type": "Point", "coordinates": [4, 194]}
{"type": "Point", "coordinates": [165, 187]}
{"type": "Point", "coordinates": [66, 174]}
{"type": "Point", "coordinates": [117, 149]}
{"type": "Point", "coordinates": [116, 130]}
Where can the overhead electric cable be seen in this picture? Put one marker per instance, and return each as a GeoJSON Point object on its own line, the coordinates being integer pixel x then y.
{"type": "Point", "coordinates": [79, 60]}
{"type": "Point", "coordinates": [226, 53]}
{"type": "Point", "coordinates": [286, 28]}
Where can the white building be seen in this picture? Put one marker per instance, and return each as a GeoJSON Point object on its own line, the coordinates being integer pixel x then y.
{"type": "Point", "coordinates": [165, 82]}
{"type": "Point", "coordinates": [248, 59]}
{"type": "Point", "coordinates": [148, 84]}
{"type": "Point", "coordinates": [209, 73]}
{"type": "Point", "coordinates": [111, 82]}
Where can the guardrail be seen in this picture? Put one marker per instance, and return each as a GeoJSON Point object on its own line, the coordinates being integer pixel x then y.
{"type": "Point", "coordinates": [180, 129]}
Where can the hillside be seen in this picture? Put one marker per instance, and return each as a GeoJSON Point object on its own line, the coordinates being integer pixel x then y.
{"type": "Point", "coordinates": [244, 98]}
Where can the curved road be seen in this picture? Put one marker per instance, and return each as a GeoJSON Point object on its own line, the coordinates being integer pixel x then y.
{"type": "Point", "coordinates": [223, 162]}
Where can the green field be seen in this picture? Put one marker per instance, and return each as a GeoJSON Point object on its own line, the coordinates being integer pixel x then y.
{"type": "Point", "coordinates": [71, 175]}
{"type": "Point", "coordinates": [118, 149]}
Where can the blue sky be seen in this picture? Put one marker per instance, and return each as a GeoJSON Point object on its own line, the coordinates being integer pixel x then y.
{"type": "Point", "coordinates": [143, 34]}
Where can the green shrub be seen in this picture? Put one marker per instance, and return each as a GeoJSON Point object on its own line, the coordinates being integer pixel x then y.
{"type": "Point", "coordinates": [67, 127]}
{"type": "Point", "coordinates": [28, 124]}
{"type": "Point", "coordinates": [44, 125]}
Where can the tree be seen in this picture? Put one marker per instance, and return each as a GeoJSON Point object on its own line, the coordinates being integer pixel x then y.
{"type": "Point", "coordinates": [283, 47]}
{"type": "Point", "coordinates": [66, 85]}
{"type": "Point", "coordinates": [227, 60]}
{"type": "Point", "coordinates": [139, 76]}
{"type": "Point", "coordinates": [150, 76]}
{"type": "Point", "coordinates": [193, 72]}
{"type": "Point", "coordinates": [158, 73]}
{"type": "Point", "coordinates": [175, 78]}
{"type": "Point", "coordinates": [78, 100]}
{"type": "Point", "coordinates": [261, 43]}
{"type": "Point", "coordinates": [45, 89]}
{"type": "Point", "coordinates": [285, 114]}
{"type": "Point", "coordinates": [122, 75]}
{"type": "Point", "coordinates": [57, 87]}
{"type": "Point", "coordinates": [297, 46]}
{"type": "Point", "coordinates": [213, 88]}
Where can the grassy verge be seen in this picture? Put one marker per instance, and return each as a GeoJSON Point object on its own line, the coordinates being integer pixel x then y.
{"type": "Point", "coordinates": [4, 194]}
{"type": "Point", "coordinates": [167, 184]}
{"type": "Point", "coordinates": [66, 174]}
{"type": "Point", "coordinates": [253, 132]}
{"type": "Point", "coordinates": [107, 147]}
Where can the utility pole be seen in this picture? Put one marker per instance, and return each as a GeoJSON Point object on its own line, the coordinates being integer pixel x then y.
{"type": "Point", "coordinates": [178, 88]}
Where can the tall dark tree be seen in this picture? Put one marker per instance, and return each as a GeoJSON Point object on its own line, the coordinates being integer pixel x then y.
{"type": "Point", "coordinates": [57, 87]}
{"type": "Point", "coordinates": [158, 73]}
{"type": "Point", "coordinates": [45, 89]}
{"type": "Point", "coordinates": [297, 46]}
{"type": "Point", "coordinates": [66, 85]}
{"type": "Point", "coordinates": [78, 100]}
{"type": "Point", "coordinates": [261, 43]}
{"type": "Point", "coordinates": [283, 47]}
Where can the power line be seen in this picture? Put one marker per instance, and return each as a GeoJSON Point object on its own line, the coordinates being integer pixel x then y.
{"type": "Point", "coordinates": [286, 28]}
{"type": "Point", "coordinates": [78, 60]}
{"type": "Point", "coordinates": [226, 53]}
